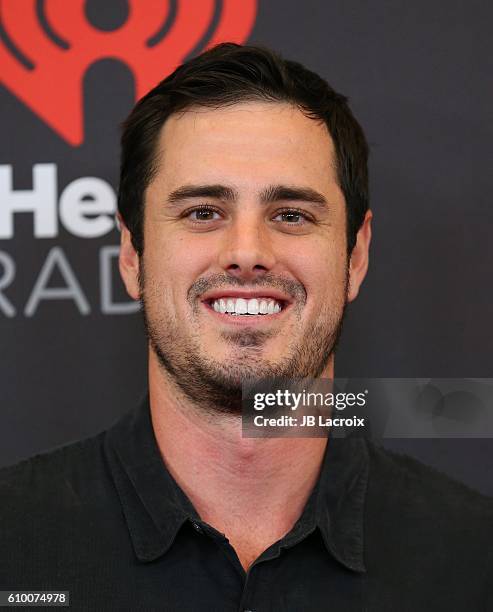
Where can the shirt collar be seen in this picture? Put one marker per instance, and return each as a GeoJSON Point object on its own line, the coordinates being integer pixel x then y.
{"type": "Point", "coordinates": [155, 507]}
{"type": "Point", "coordinates": [341, 499]}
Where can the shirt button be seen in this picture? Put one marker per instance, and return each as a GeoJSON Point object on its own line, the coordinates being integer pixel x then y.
{"type": "Point", "coordinates": [197, 527]}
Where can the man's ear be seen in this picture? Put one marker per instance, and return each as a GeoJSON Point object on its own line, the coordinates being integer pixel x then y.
{"type": "Point", "coordinates": [128, 261]}
{"type": "Point", "coordinates": [358, 264]}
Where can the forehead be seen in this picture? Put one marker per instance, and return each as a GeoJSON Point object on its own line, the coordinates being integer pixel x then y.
{"type": "Point", "coordinates": [249, 144]}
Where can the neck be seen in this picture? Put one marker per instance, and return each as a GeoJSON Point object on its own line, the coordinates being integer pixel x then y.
{"type": "Point", "coordinates": [224, 475]}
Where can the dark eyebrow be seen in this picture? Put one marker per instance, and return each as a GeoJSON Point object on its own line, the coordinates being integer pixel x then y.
{"type": "Point", "coordinates": [219, 192]}
{"type": "Point", "coordinates": [273, 193]}
{"type": "Point", "coordinates": [277, 193]}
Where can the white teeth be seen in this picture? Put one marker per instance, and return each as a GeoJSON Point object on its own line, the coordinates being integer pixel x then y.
{"type": "Point", "coordinates": [241, 306]}
{"type": "Point", "coordinates": [253, 306]}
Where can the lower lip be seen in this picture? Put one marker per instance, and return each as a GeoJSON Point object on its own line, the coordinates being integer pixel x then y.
{"type": "Point", "coordinates": [245, 319]}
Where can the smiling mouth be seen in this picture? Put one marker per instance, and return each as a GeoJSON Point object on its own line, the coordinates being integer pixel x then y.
{"type": "Point", "coordinates": [242, 307]}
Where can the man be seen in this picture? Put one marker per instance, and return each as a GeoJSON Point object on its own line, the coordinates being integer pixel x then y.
{"type": "Point", "coordinates": [245, 232]}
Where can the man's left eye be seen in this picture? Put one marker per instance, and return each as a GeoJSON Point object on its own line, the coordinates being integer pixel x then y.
{"type": "Point", "coordinates": [293, 217]}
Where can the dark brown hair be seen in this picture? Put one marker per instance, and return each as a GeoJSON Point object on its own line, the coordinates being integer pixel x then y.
{"type": "Point", "coordinates": [225, 75]}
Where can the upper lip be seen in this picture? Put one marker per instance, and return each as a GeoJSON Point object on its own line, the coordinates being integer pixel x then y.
{"type": "Point", "coordinates": [245, 294]}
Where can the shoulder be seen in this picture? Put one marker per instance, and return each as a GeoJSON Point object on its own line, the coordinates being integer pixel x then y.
{"type": "Point", "coordinates": [65, 477]}
{"type": "Point", "coordinates": [60, 516]}
{"type": "Point", "coordinates": [406, 480]}
{"type": "Point", "coordinates": [418, 517]}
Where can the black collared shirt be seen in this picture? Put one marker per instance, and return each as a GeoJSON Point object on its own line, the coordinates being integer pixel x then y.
{"type": "Point", "coordinates": [105, 520]}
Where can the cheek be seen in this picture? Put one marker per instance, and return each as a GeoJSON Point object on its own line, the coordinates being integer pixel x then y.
{"type": "Point", "coordinates": [174, 263]}
{"type": "Point", "coordinates": [322, 269]}
{"type": "Point", "coordinates": [174, 254]}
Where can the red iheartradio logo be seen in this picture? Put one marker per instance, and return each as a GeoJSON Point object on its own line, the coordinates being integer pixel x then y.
{"type": "Point", "coordinates": [47, 46]}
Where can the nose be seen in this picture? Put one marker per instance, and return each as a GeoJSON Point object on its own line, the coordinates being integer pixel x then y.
{"type": "Point", "coordinates": [247, 251]}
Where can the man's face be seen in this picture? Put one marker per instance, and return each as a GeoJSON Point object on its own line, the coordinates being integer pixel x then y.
{"type": "Point", "coordinates": [244, 213]}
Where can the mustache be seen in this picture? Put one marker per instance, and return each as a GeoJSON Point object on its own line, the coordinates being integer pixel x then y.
{"type": "Point", "coordinates": [294, 289]}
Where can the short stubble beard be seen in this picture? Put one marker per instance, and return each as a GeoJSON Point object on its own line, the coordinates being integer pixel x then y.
{"type": "Point", "coordinates": [216, 387]}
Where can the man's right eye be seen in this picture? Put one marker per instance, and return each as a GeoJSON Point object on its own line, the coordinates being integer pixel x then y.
{"type": "Point", "coordinates": [202, 213]}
